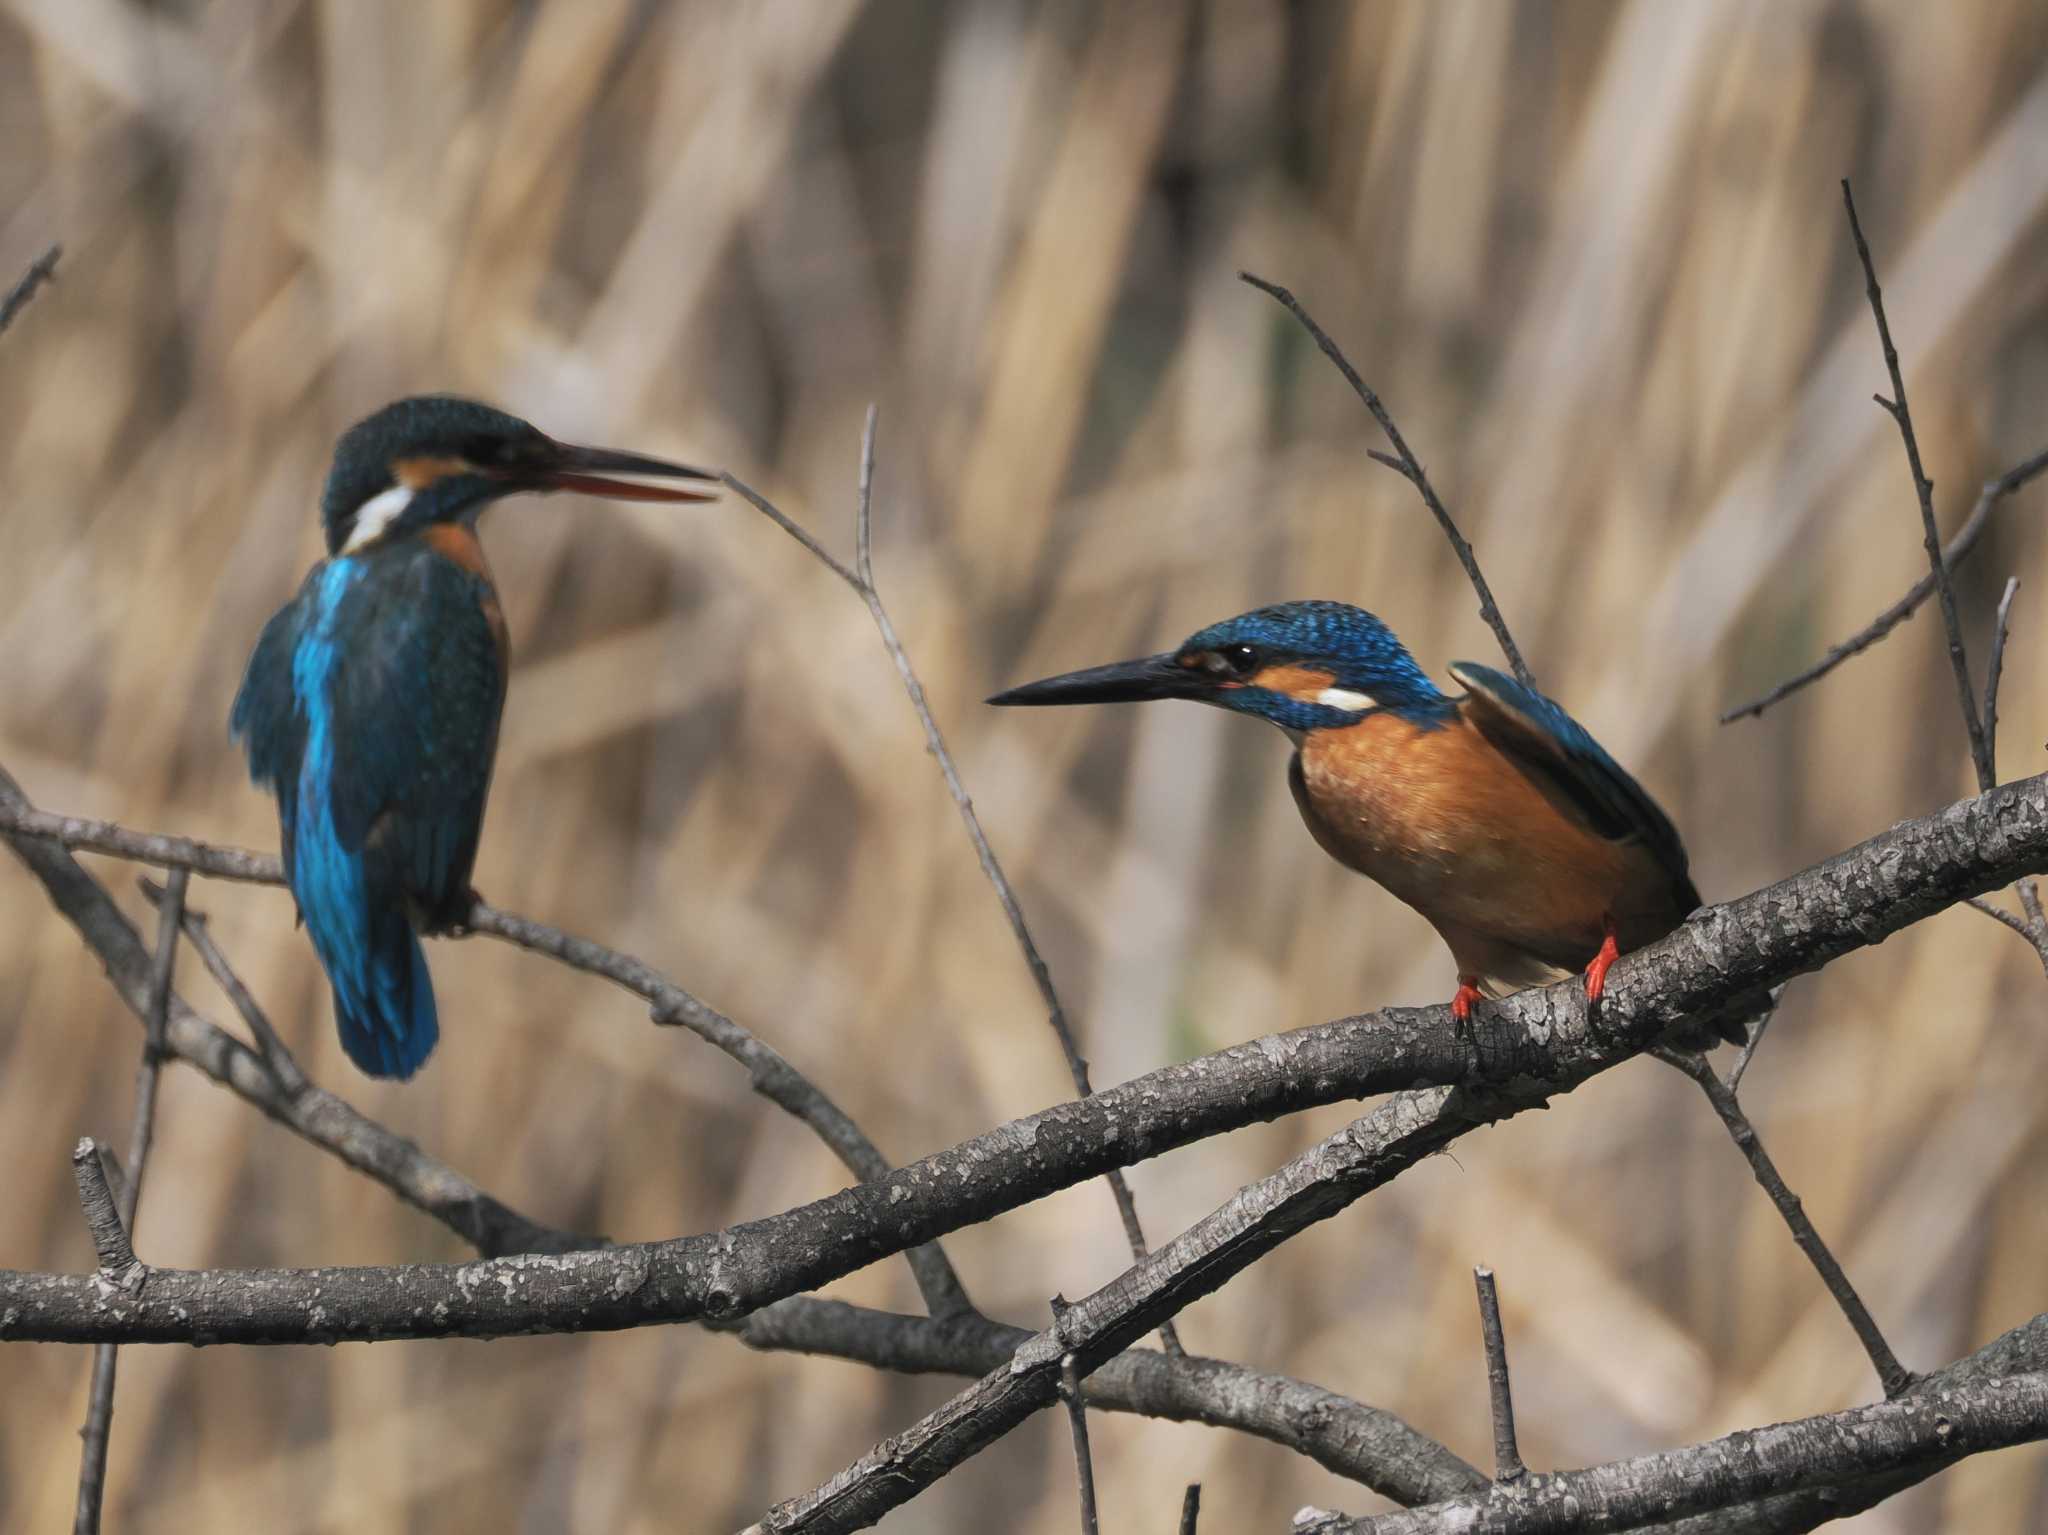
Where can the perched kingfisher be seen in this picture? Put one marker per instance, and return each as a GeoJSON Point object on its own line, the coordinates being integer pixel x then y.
{"type": "Point", "coordinates": [370, 708]}
{"type": "Point", "coordinates": [1493, 813]}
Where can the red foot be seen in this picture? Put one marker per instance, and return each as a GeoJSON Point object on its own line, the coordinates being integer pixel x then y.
{"type": "Point", "coordinates": [1596, 972]}
{"type": "Point", "coordinates": [1468, 993]}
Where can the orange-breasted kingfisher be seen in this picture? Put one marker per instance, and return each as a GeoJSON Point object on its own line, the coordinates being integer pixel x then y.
{"type": "Point", "coordinates": [1493, 813]}
{"type": "Point", "coordinates": [370, 708]}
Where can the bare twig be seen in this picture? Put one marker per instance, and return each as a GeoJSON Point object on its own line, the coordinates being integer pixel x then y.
{"type": "Point", "coordinates": [41, 270]}
{"type": "Point", "coordinates": [1923, 489]}
{"type": "Point", "coordinates": [1998, 913]}
{"type": "Point", "coordinates": [1507, 1457]}
{"type": "Point", "coordinates": [99, 1411]}
{"type": "Point", "coordinates": [283, 1066]}
{"type": "Point", "coordinates": [862, 579]}
{"type": "Point", "coordinates": [1756, 1037]}
{"type": "Point", "coordinates": [1077, 1419]}
{"type": "Point", "coordinates": [1991, 677]}
{"type": "Point", "coordinates": [1952, 555]}
{"type": "Point", "coordinates": [1191, 1509]}
{"type": "Point", "coordinates": [1404, 463]}
{"type": "Point", "coordinates": [1894, 1376]}
{"type": "Point", "coordinates": [1920, 1434]}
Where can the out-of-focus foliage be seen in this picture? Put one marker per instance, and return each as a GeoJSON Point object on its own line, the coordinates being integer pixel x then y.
{"type": "Point", "coordinates": [1594, 258]}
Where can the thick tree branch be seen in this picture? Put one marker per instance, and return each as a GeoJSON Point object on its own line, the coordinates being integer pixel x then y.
{"type": "Point", "coordinates": [1514, 1053]}
{"type": "Point", "coordinates": [1366, 1444]}
{"type": "Point", "coordinates": [1917, 1434]}
{"type": "Point", "coordinates": [1409, 467]}
{"type": "Point", "coordinates": [1952, 555]}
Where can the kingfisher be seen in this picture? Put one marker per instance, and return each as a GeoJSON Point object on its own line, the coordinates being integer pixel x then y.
{"type": "Point", "coordinates": [370, 707]}
{"type": "Point", "coordinates": [1492, 812]}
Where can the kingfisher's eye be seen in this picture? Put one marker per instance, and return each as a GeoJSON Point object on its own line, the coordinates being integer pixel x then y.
{"type": "Point", "coordinates": [1233, 660]}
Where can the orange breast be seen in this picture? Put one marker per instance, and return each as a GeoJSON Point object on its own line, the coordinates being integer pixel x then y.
{"type": "Point", "coordinates": [1452, 827]}
{"type": "Point", "coordinates": [459, 544]}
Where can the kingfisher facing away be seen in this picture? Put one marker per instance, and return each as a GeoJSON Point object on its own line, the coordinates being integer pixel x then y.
{"type": "Point", "coordinates": [1494, 814]}
{"type": "Point", "coordinates": [370, 708]}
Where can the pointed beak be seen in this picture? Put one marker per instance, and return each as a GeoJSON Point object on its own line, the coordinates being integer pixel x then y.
{"type": "Point", "coordinates": [589, 471]}
{"type": "Point", "coordinates": [1122, 682]}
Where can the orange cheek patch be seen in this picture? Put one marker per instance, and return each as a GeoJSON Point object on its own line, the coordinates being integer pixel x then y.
{"type": "Point", "coordinates": [1295, 681]}
{"type": "Point", "coordinates": [419, 473]}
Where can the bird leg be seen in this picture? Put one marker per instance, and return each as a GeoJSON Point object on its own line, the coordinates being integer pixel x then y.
{"type": "Point", "coordinates": [1468, 993]}
{"type": "Point", "coordinates": [1596, 972]}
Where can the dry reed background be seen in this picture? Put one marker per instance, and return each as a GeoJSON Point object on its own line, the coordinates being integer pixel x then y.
{"type": "Point", "coordinates": [1593, 256]}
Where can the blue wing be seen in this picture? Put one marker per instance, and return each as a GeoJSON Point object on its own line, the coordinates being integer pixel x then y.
{"type": "Point", "coordinates": [1558, 751]}
{"type": "Point", "coordinates": [266, 717]}
{"type": "Point", "coordinates": [371, 709]}
{"type": "Point", "coordinates": [423, 688]}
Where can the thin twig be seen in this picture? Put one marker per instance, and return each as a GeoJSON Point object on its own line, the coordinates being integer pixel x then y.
{"type": "Point", "coordinates": [1998, 913]}
{"type": "Point", "coordinates": [1923, 489]}
{"type": "Point", "coordinates": [1952, 555]}
{"type": "Point", "coordinates": [41, 270]}
{"type": "Point", "coordinates": [1507, 1457]}
{"type": "Point", "coordinates": [861, 579]}
{"type": "Point", "coordinates": [1404, 463]}
{"type": "Point", "coordinates": [1756, 1037]}
{"type": "Point", "coordinates": [282, 1064]}
{"type": "Point", "coordinates": [1894, 1376]}
{"type": "Point", "coordinates": [99, 1411]}
{"type": "Point", "coordinates": [1991, 677]}
{"type": "Point", "coordinates": [1191, 1509]}
{"type": "Point", "coordinates": [1077, 1419]}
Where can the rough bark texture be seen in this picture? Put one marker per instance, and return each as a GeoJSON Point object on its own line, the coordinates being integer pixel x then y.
{"type": "Point", "coordinates": [1513, 1054]}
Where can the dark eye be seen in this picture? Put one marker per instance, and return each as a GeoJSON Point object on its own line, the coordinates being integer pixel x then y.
{"type": "Point", "coordinates": [1234, 660]}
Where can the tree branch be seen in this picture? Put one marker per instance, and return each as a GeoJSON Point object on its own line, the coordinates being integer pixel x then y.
{"type": "Point", "coordinates": [1999, 630]}
{"type": "Point", "coordinates": [1515, 1053]}
{"type": "Point", "coordinates": [1923, 488]}
{"type": "Point", "coordinates": [1364, 1443]}
{"type": "Point", "coordinates": [1404, 463]}
{"type": "Point", "coordinates": [1917, 1434]}
{"type": "Point", "coordinates": [1952, 555]}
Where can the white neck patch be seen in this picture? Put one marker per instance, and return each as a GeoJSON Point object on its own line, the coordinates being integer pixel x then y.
{"type": "Point", "coordinates": [1345, 699]}
{"type": "Point", "coordinates": [375, 516]}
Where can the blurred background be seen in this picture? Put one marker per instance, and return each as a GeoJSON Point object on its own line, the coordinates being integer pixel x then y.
{"type": "Point", "coordinates": [1594, 258]}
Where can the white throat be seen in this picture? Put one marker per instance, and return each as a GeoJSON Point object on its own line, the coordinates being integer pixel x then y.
{"type": "Point", "coordinates": [375, 516]}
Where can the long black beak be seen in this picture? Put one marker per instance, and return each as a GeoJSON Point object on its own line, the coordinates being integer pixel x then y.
{"type": "Point", "coordinates": [1123, 682]}
{"type": "Point", "coordinates": [588, 470]}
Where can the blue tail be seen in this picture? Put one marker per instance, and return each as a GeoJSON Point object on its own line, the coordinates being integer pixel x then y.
{"type": "Point", "coordinates": [354, 909]}
{"type": "Point", "coordinates": [386, 1010]}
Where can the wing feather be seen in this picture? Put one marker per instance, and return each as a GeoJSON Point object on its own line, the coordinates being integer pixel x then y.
{"type": "Point", "coordinates": [1559, 753]}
